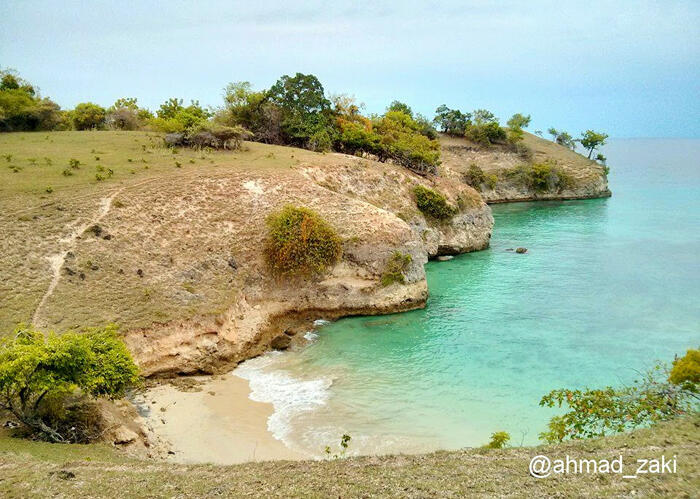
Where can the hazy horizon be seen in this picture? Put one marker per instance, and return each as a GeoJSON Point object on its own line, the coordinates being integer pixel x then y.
{"type": "Point", "coordinates": [628, 68]}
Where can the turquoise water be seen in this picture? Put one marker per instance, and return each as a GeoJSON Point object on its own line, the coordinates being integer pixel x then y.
{"type": "Point", "coordinates": [607, 287]}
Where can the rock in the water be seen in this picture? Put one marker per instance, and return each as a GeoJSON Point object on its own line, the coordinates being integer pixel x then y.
{"type": "Point", "coordinates": [444, 258]}
{"type": "Point", "coordinates": [521, 250]}
{"type": "Point", "coordinates": [281, 342]}
{"type": "Point", "coordinates": [124, 435]}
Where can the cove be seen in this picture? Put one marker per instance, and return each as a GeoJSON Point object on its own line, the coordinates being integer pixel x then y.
{"type": "Point", "coordinates": [607, 287]}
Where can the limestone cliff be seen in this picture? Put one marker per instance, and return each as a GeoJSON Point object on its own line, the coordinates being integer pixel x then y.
{"type": "Point", "coordinates": [584, 178]}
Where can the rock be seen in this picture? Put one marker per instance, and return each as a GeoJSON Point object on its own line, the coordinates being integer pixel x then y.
{"type": "Point", "coordinates": [63, 474]}
{"type": "Point", "coordinates": [290, 332]}
{"type": "Point", "coordinates": [124, 435]}
{"type": "Point", "coordinates": [510, 249]}
{"type": "Point", "coordinates": [444, 258]}
{"type": "Point", "coordinates": [281, 342]}
{"type": "Point", "coordinates": [139, 273]}
{"type": "Point", "coordinates": [521, 250]}
{"type": "Point", "coordinates": [232, 263]}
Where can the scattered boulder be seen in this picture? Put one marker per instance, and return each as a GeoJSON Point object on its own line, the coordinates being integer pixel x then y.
{"type": "Point", "coordinates": [232, 263]}
{"type": "Point", "coordinates": [521, 250]}
{"type": "Point", "coordinates": [124, 435]}
{"type": "Point", "coordinates": [281, 342]}
{"type": "Point", "coordinates": [444, 258]}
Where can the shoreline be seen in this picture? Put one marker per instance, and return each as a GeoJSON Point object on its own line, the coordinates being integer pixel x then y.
{"type": "Point", "coordinates": [213, 422]}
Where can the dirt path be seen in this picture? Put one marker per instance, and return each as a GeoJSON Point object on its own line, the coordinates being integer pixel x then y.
{"type": "Point", "coordinates": [57, 260]}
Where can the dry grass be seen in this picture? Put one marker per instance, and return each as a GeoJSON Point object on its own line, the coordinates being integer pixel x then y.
{"type": "Point", "coordinates": [458, 153]}
{"type": "Point", "coordinates": [40, 470]}
{"type": "Point", "coordinates": [37, 224]}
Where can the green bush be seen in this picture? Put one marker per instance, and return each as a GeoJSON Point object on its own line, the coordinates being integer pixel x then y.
{"type": "Point", "coordinates": [686, 371]}
{"type": "Point", "coordinates": [39, 374]}
{"type": "Point", "coordinates": [300, 242]}
{"type": "Point", "coordinates": [433, 203]}
{"type": "Point", "coordinates": [486, 134]}
{"type": "Point", "coordinates": [498, 440]}
{"type": "Point", "coordinates": [21, 109]}
{"type": "Point", "coordinates": [395, 268]}
{"type": "Point", "coordinates": [87, 116]}
{"type": "Point", "coordinates": [598, 412]}
{"type": "Point", "coordinates": [541, 177]}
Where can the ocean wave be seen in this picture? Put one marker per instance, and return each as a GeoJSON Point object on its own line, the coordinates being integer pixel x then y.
{"type": "Point", "coordinates": [288, 395]}
{"type": "Point", "coordinates": [321, 322]}
{"type": "Point", "coordinates": [311, 336]}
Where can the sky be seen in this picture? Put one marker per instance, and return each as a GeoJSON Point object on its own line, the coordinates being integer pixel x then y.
{"type": "Point", "coordinates": [630, 68]}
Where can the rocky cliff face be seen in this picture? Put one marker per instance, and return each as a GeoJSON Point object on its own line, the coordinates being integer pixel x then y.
{"type": "Point", "coordinates": [585, 178]}
{"type": "Point", "coordinates": [177, 261]}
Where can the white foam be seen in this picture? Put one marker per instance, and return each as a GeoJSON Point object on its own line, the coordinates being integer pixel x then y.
{"type": "Point", "coordinates": [289, 396]}
{"type": "Point", "coordinates": [321, 322]}
{"type": "Point", "coordinates": [311, 336]}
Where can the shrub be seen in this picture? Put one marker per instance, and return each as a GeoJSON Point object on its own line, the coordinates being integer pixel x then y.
{"type": "Point", "coordinates": [300, 242]}
{"type": "Point", "coordinates": [498, 440]}
{"type": "Point", "coordinates": [22, 109]}
{"type": "Point", "coordinates": [475, 176]}
{"type": "Point", "coordinates": [395, 268]}
{"type": "Point", "coordinates": [209, 135]}
{"type": "Point", "coordinates": [433, 203]}
{"type": "Point", "coordinates": [401, 141]}
{"type": "Point", "coordinates": [87, 116]}
{"type": "Point", "coordinates": [320, 141]}
{"type": "Point", "coordinates": [39, 374]}
{"type": "Point", "coordinates": [541, 177]}
{"type": "Point", "coordinates": [486, 134]}
{"type": "Point", "coordinates": [686, 371]}
{"type": "Point", "coordinates": [598, 412]}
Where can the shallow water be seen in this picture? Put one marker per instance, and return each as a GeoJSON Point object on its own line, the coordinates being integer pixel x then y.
{"type": "Point", "coordinates": [606, 288]}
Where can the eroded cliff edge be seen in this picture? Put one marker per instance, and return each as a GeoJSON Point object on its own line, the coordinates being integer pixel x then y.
{"type": "Point", "coordinates": [177, 260]}
{"type": "Point", "coordinates": [505, 174]}
{"type": "Point", "coordinates": [182, 268]}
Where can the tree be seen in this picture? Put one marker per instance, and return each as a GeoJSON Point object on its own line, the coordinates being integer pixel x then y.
{"type": "Point", "coordinates": [515, 127]}
{"type": "Point", "coordinates": [88, 115]}
{"type": "Point", "coordinates": [400, 106]}
{"type": "Point", "coordinates": [519, 121]}
{"type": "Point", "coordinates": [21, 108]}
{"type": "Point", "coordinates": [562, 138]}
{"type": "Point", "coordinates": [39, 373]}
{"type": "Point", "coordinates": [483, 117]}
{"type": "Point", "coordinates": [303, 105]}
{"type": "Point", "coordinates": [451, 121]}
{"type": "Point", "coordinates": [592, 140]}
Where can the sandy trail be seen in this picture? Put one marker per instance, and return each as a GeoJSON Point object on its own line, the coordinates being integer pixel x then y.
{"type": "Point", "coordinates": [68, 242]}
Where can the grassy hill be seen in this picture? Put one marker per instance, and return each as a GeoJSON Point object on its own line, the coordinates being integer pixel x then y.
{"type": "Point", "coordinates": [40, 470]}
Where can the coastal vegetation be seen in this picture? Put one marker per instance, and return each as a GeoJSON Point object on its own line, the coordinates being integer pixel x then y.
{"type": "Point", "coordinates": [48, 381]}
{"type": "Point", "coordinates": [661, 394]}
{"type": "Point", "coordinates": [300, 242]}
{"type": "Point", "coordinates": [395, 268]}
{"type": "Point", "coordinates": [433, 203]}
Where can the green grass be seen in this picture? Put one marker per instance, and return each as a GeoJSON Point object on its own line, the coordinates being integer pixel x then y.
{"type": "Point", "coordinates": [32, 469]}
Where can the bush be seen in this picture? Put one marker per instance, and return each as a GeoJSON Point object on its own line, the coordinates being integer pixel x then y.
{"type": "Point", "coordinates": [686, 371]}
{"type": "Point", "coordinates": [433, 203]}
{"type": "Point", "coordinates": [395, 268]}
{"type": "Point", "coordinates": [39, 374]}
{"type": "Point", "coordinates": [499, 440]}
{"type": "Point", "coordinates": [486, 134]}
{"type": "Point", "coordinates": [87, 116]}
{"type": "Point", "coordinates": [541, 177]}
{"type": "Point", "coordinates": [401, 141]}
{"type": "Point", "coordinates": [209, 135]}
{"type": "Point", "coordinates": [598, 412]}
{"type": "Point", "coordinates": [300, 242]}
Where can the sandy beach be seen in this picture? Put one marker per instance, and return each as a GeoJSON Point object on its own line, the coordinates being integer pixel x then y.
{"type": "Point", "coordinates": [213, 422]}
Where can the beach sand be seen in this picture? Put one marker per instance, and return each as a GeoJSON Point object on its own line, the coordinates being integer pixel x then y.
{"type": "Point", "coordinates": [217, 423]}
